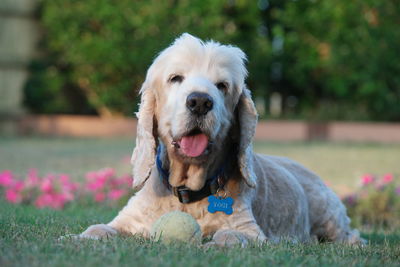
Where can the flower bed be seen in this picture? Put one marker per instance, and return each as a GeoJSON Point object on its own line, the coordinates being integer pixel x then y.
{"type": "Point", "coordinates": [57, 190]}
{"type": "Point", "coordinates": [376, 203]}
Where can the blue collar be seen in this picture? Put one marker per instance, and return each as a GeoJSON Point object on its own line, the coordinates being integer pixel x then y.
{"type": "Point", "coordinates": [184, 194]}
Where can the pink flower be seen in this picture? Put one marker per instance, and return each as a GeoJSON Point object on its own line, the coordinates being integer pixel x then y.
{"type": "Point", "coordinates": [44, 200]}
{"type": "Point", "coordinates": [54, 191]}
{"type": "Point", "coordinates": [51, 200]}
{"type": "Point", "coordinates": [18, 186]}
{"type": "Point", "coordinates": [387, 178]}
{"type": "Point", "coordinates": [99, 197]}
{"type": "Point", "coordinates": [64, 178]}
{"type": "Point", "coordinates": [32, 178]}
{"type": "Point", "coordinates": [367, 179]}
{"type": "Point", "coordinates": [103, 174]}
{"type": "Point", "coordinates": [66, 184]}
{"type": "Point", "coordinates": [47, 185]}
{"type": "Point", "coordinates": [59, 201]}
{"type": "Point", "coordinates": [124, 180]}
{"type": "Point", "coordinates": [73, 186]}
{"type": "Point", "coordinates": [116, 194]}
{"type": "Point", "coordinates": [13, 196]}
{"type": "Point", "coordinates": [97, 180]}
{"type": "Point", "coordinates": [67, 196]}
{"type": "Point", "coordinates": [91, 176]}
{"type": "Point", "coordinates": [106, 172]}
{"type": "Point", "coordinates": [6, 178]}
{"type": "Point", "coordinates": [95, 185]}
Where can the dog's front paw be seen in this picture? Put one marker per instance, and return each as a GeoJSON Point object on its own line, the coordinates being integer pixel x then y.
{"type": "Point", "coordinates": [98, 231]}
{"type": "Point", "coordinates": [229, 238]}
{"type": "Point", "coordinates": [95, 232]}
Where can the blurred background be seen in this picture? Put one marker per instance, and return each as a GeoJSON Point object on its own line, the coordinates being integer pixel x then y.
{"type": "Point", "coordinates": [308, 59]}
{"type": "Point", "coordinates": [325, 75]}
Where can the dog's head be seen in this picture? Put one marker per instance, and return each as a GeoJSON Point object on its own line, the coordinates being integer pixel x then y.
{"type": "Point", "coordinates": [193, 94]}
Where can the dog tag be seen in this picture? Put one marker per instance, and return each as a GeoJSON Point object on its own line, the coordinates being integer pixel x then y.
{"type": "Point", "coordinates": [220, 204]}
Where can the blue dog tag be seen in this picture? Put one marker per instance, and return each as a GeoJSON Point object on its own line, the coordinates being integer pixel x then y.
{"type": "Point", "coordinates": [220, 204]}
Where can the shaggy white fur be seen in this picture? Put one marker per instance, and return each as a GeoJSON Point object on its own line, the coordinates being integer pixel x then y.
{"type": "Point", "coordinates": [275, 198]}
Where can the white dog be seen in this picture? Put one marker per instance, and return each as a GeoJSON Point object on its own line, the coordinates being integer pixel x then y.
{"type": "Point", "coordinates": [195, 128]}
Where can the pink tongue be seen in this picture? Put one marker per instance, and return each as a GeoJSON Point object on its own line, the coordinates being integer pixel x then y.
{"type": "Point", "coordinates": [194, 146]}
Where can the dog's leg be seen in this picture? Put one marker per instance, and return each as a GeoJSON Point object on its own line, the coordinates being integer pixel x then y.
{"type": "Point", "coordinates": [98, 231]}
{"type": "Point", "coordinates": [241, 229]}
{"type": "Point", "coordinates": [230, 237]}
{"type": "Point", "coordinates": [134, 218]}
{"type": "Point", "coordinates": [334, 224]}
{"type": "Point", "coordinates": [337, 229]}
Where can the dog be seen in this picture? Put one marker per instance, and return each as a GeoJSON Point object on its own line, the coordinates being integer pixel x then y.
{"type": "Point", "coordinates": [196, 123]}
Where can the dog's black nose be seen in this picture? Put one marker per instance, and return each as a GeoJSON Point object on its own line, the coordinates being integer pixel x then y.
{"type": "Point", "coordinates": [199, 103]}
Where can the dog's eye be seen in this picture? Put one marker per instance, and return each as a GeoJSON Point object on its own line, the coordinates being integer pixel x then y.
{"type": "Point", "coordinates": [176, 79]}
{"type": "Point", "coordinates": [223, 86]}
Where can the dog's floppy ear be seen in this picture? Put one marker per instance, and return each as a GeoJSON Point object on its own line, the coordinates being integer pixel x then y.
{"type": "Point", "coordinates": [143, 156]}
{"type": "Point", "coordinates": [247, 116]}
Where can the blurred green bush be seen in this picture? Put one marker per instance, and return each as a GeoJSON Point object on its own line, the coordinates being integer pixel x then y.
{"type": "Point", "coordinates": [340, 58]}
{"type": "Point", "coordinates": [327, 59]}
{"type": "Point", "coordinates": [105, 47]}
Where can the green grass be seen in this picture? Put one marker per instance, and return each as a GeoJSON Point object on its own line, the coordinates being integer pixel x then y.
{"type": "Point", "coordinates": [64, 155]}
{"type": "Point", "coordinates": [28, 237]}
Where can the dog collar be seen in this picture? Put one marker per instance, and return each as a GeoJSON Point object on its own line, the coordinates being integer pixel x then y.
{"type": "Point", "coordinates": [184, 194]}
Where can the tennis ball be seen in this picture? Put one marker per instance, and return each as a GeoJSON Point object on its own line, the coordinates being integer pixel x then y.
{"type": "Point", "coordinates": [176, 226]}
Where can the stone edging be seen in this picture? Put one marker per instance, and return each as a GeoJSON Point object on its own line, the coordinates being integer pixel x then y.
{"type": "Point", "coordinates": [91, 126]}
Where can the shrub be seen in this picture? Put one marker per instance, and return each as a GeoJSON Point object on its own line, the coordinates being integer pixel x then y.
{"type": "Point", "coordinates": [104, 185]}
{"type": "Point", "coordinates": [333, 59]}
{"type": "Point", "coordinates": [104, 47]}
{"type": "Point", "coordinates": [337, 55]}
{"type": "Point", "coordinates": [376, 203]}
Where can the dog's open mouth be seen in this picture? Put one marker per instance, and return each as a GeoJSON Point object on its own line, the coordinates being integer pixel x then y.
{"type": "Point", "coordinates": [193, 144]}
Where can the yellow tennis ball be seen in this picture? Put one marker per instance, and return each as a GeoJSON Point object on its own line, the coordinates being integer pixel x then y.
{"type": "Point", "coordinates": [176, 226]}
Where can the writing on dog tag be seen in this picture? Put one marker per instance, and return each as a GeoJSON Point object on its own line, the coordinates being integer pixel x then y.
{"type": "Point", "coordinates": [220, 204]}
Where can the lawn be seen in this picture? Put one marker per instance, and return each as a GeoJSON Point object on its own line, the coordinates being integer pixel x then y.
{"type": "Point", "coordinates": [28, 236]}
{"type": "Point", "coordinates": [340, 165]}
